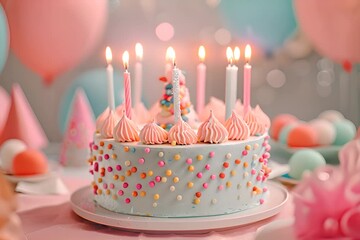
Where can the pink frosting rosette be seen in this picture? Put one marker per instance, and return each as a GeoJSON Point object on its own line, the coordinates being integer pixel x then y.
{"type": "Point", "coordinates": [107, 128]}
{"type": "Point", "coordinates": [262, 117]}
{"type": "Point", "coordinates": [212, 131]}
{"type": "Point", "coordinates": [101, 119]}
{"type": "Point", "coordinates": [153, 134]}
{"type": "Point", "coordinates": [181, 133]}
{"type": "Point", "coordinates": [126, 130]}
{"type": "Point", "coordinates": [237, 127]}
{"type": "Point", "coordinates": [255, 126]}
{"type": "Point", "coordinates": [327, 202]}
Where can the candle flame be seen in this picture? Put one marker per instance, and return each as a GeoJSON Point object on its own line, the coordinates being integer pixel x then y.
{"type": "Point", "coordinates": [108, 55]}
{"type": "Point", "coordinates": [170, 55]}
{"type": "Point", "coordinates": [125, 58]}
{"type": "Point", "coordinates": [169, 52]}
{"type": "Point", "coordinates": [229, 55]}
{"type": "Point", "coordinates": [139, 51]}
{"type": "Point", "coordinates": [201, 53]}
{"type": "Point", "coordinates": [247, 53]}
{"type": "Point", "coordinates": [237, 54]}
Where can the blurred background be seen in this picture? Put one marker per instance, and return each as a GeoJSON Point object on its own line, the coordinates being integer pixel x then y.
{"type": "Point", "coordinates": [301, 63]}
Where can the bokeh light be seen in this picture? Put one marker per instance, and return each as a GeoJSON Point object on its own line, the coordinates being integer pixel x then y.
{"type": "Point", "coordinates": [165, 31]}
{"type": "Point", "coordinates": [222, 36]}
{"type": "Point", "coordinates": [276, 78]}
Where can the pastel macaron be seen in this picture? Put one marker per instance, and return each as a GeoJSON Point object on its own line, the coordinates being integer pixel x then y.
{"type": "Point", "coordinates": [279, 122]}
{"type": "Point", "coordinates": [29, 162]}
{"type": "Point", "coordinates": [302, 135]}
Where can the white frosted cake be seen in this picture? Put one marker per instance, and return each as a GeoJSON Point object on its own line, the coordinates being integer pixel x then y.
{"type": "Point", "coordinates": [184, 172]}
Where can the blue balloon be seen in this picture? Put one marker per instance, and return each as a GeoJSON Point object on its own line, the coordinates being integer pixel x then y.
{"type": "Point", "coordinates": [94, 84]}
{"type": "Point", "coordinates": [265, 23]}
{"type": "Point", "coordinates": [4, 38]}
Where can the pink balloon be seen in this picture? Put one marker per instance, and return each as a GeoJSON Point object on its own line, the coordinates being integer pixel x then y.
{"type": "Point", "coordinates": [52, 36]}
{"type": "Point", "coordinates": [333, 27]}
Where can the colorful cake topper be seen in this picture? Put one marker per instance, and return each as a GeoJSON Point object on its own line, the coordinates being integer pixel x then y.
{"type": "Point", "coordinates": [22, 123]}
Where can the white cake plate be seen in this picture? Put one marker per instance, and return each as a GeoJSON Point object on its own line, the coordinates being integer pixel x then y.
{"type": "Point", "coordinates": [84, 206]}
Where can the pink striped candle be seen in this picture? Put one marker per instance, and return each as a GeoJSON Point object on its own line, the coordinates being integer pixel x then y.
{"type": "Point", "coordinates": [247, 80]}
{"type": "Point", "coordinates": [200, 83]}
{"type": "Point", "coordinates": [127, 84]}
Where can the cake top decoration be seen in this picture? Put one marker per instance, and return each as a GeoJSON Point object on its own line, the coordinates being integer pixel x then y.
{"type": "Point", "coordinates": [153, 134]}
{"type": "Point", "coordinates": [212, 131]}
{"type": "Point", "coordinates": [237, 128]}
{"type": "Point", "coordinates": [263, 118]}
{"type": "Point", "coordinates": [101, 119]}
{"type": "Point", "coordinates": [255, 126]}
{"type": "Point", "coordinates": [181, 133]}
{"type": "Point", "coordinates": [107, 128]}
{"type": "Point", "coordinates": [126, 130]}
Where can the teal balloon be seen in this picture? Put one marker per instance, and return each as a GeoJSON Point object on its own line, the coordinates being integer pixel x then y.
{"type": "Point", "coordinates": [264, 23]}
{"type": "Point", "coordinates": [304, 160]}
{"type": "Point", "coordinates": [4, 38]}
{"type": "Point", "coordinates": [94, 84]}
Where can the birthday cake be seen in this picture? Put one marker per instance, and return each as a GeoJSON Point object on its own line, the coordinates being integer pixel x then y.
{"type": "Point", "coordinates": [179, 167]}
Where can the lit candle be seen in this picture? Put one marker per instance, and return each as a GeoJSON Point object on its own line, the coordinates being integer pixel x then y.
{"type": "Point", "coordinates": [168, 60]}
{"type": "Point", "coordinates": [127, 84]}
{"type": "Point", "coordinates": [231, 82]}
{"type": "Point", "coordinates": [176, 87]}
{"type": "Point", "coordinates": [138, 74]}
{"type": "Point", "coordinates": [247, 80]}
{"type": "Point", "coordinates": [201, 79]}
{"type": "Point", "coordinates": [110, 79]}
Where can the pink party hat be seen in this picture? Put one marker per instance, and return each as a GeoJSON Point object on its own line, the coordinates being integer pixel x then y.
{"type": "Point", "coordinates": [4, 107]}
{"type": "Point", "coordinates": [79, 133]}
{"type": "Point", "coordinates": [22, 123]}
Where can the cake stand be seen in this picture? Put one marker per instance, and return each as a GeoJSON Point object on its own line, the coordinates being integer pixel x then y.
{"type": "Point", "coordinates": [83, 205]}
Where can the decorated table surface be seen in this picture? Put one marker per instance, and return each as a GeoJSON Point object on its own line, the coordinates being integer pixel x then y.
{"type": "Point", "coordinates": [51, 217]}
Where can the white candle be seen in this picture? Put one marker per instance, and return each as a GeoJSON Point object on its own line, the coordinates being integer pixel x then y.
{"type": "Point", "coordinates": [231, 84]}
{"type": "Point", "coordinates": [127, 84]}
{"type": "Point", "coordinates": [176, 87]}
{"type": "Point", "coordinates": [200, 83]}
{"type": "Point", "coordinates": [138, 74]}
{"type": "Point", "coordinates": [110, 79]}
{"type": "Point", "coordinates": [247, 80]}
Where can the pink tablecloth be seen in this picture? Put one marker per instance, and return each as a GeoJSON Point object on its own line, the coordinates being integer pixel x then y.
{"type": "Point", "coordinates": [50, 217]}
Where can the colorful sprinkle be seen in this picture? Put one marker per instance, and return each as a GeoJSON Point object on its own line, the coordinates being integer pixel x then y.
{"type": "Point", "coordinates": [176, 180]}
{"type": "Point", "coordinates": [179, 197]}
{"type": "Point", "coordinates": [147, 150]}
{"type": "Point", "coordinates": [96, 167]}
{"type": "Point", "coordinates": [111, 186]}
{"type": "Point", "coordinates": [155, 204]}
{"type": "Point", "coordinates": [265, 189]}
{"type": "Point", "coordinates": [99, 158]}
{"type": "Point", "coordinates": [247, 147]}
{"type": "Point", "coordinates": [134, 194]}
{"type": "Point", "coordinates": [101, 151]}
{"type": "Point", "coordinates": [225, 164]}
{"type": "Point", "coordinates": [156, 196]}
{"type": "Point", "coordinates": [107, 192]}
{"type": "Point", "coordinates": [258, 178]}
{"type": "Point", "coordinates": [246, 174]}
{"type": "Point", "coordinates": [248, 184]}
{"type": "Point", "coordinates": [196, 201]}
{"type": "Point", "coordinates": [237, 161]}
{"type": "Point", "coordinates": [161, 163]}
{"type": "Point", "coordinates": [190, 184]}
{"type": "Point", "coordinates": [222, 175]}
{"type": "Point", "coordinates": [99, 191]}
{"type": "Point", "coordinates": [191, 168]}
{"type": "Point", "coordinates": [253, 171]}
{"type": "Point", "coordinates": [232, 172]}
{"type": "Point", "coordinates": [151, 184]}
{"type": "Point", "coordinates": [127, 163]}
{"type": "Point", "coordinates": [177, 157]}
{"type": "Point", "coordinates": [138, 186]}
{"type": "Point", "coordinates": [128, 173]}
{"type": "Point", "coordinates": [101, 143]}
{"type": "Point", "coordinates": [205, 185]}
{"type": "Point", "coordinates": [256, 145]}
{"type": "Point", "coordinates": [126, 149]}
{"type": "Point", "coordinates": [244, 153]}
{"type": "Point", "coordinates": [127, 200]}
{"type": "Point", "coordinates": [172, 188]}
{"type": "Point", "coordinates": [141, 161]}
{"type": "Point", "coordinates": [114, 156]}
{"type": "Point", "coordinates": [125, 185]}
{"type": "Point", "coordinates": [142, 194]}
{"type": "Point", "coordinates": [211, 154]}
{"type": "Point", "coordinates": [118, 167]}
{"type": "Point", "coordinates": [207, 167]}
{"type": "Point", "coordinates": [106, 156]}
{"type": "Point", "coordinates": [255, 156]}
{"type": "Point", "coordinates": [99, 180]}
{"type": "Point", "coordinates": [168, 172]}
{"type": "Point", "coordinates": [122, 178]}
{"type": "Point", "coordinates": [199, 157]}
{"type": "Point", "coordinates": [198, 194]}
{"type": "Point", "coordinates": [110, 169]}
{"type": "Point", "coordinates": [199, 175]}
{"type": "Point", "coordinates": [157, 178]}
{"type": "Point", "coordinates": [105, 186]}
{"type": "Point", "coordinates": [262, 201]}
{"type": "Point", "coordinates": [221, 187]}
{"type": "Point", "coordinates": [228, 184]}
{"type": "Point", "coordinates": [213, 177]}
{"type": "Point", "coordinates": [214, 201]}
{"type": "Point", "coordinates": [228, 155]}
{"type": "Point", "coordinates": [109, 146]}
{"type": "Point", "coordinates": [189, 161]}
{"type": "Point", "coordinates": [150, 173]}
{"type": "Point", "coordinates": [114, 197]}
{"type": "Point", "coordinates": [246, 164]}
{"type": "Point", "coordinates": [173, 143]}
{"type": "Point", "coordinates": [120, 192]}
{"type": "Point", "coordinates": [161, 154]}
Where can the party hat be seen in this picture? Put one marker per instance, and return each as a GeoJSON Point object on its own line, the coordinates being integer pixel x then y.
{"type": "Point", "coordinates": [4, 107]}
{"type": "Point", "coordinates": [75, 149]}
{"type": "Point", "coordinates": [22, 123]}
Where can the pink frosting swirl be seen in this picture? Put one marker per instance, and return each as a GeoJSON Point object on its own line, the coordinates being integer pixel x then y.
{"type": "Point", "coordinates": [237, 127]}
{"type": "Point", "coordinates": [263, 118]}
{"type": "Point", "coordinates": [126, 130]}
{"type": "Point", "coordinates": [101, 119]}
{"type": "Point", "coordinates": [181, 133]}
{"type": "Point", "coordinates": [107, 128]}
{"type": "Point", "coordinates": [153, 134]}
{"type": "Point", "coordinates": [255, 126]}
{"type": "Point", "coordinates": [212, 131]}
